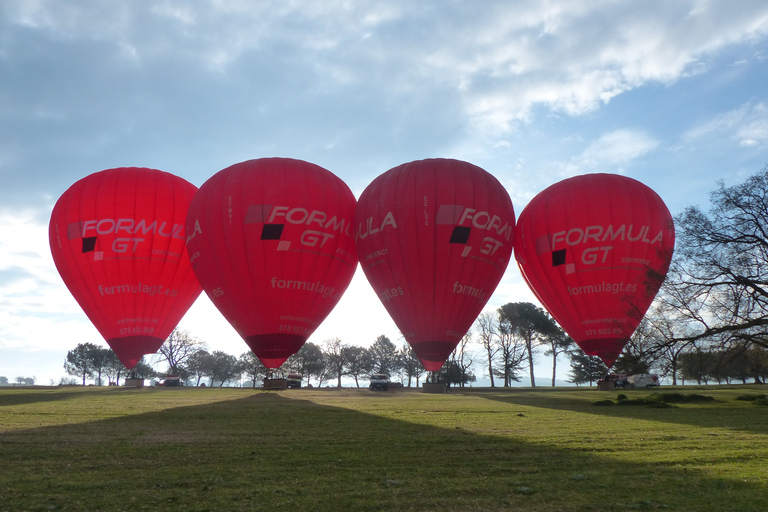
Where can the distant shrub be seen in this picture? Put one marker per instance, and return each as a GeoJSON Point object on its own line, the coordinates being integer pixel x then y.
{"type": "Point", "coordinates": [621, 396]}
{"type": "Point", "coordinates": [751, 397]}
{"type": "Point", "coordinates": [633, 401]}
{"type": "Point", "coordinates": [680, 398]}
{"type": "Point", "coordinates": [762, 401]}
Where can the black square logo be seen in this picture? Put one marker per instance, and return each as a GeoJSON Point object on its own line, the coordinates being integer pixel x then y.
{"type": "Point", "coordinates": [89, 244]}
{"type": "Point", "coordinates": [558, 257]}
{"type": "Point", "coordinates": [272, 231]}
{"type": "Point", "coordinates": [460, 235]}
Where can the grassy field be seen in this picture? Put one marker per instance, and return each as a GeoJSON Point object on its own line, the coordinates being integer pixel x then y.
{"type": "Point", "coordinates": [189, 449]}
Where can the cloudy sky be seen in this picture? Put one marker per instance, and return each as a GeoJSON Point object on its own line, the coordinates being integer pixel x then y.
{"type": "Point", "coordinates": [670, 93]}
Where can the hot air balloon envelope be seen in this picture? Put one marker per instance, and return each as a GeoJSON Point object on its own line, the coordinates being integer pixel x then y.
{"type": "Point", "coordinates": [434, 238]}
{"type": "Point", "coordinates": [271, 243]}
{"type": "Point", "coordinates": [118, 241]}
{"type": "Point", "coordinates": [595, 249]}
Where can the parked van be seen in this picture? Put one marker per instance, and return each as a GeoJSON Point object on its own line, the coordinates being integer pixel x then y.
{"type": "Point", "coordinates": [644, 380]}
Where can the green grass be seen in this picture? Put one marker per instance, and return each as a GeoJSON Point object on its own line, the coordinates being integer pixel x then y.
{"type": "Point", "coordinates": [105, 449]}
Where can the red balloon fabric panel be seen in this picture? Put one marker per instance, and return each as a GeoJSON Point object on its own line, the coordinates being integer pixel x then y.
{"type": "Point", "coordinates": [434, 238]}
{"type": "Point", "coordinates": [271, 243]}
{"type": "Point", "coordinates": [594, 249]}
{"type": "Point", "coordinates": [118, 241]}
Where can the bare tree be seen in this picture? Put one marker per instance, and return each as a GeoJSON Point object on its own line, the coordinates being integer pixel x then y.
{"type": "Point", "coordinates": [179, 346]}
{"type": "Point", "coordinates": [558, 342]}
{"type": "Point", "coordinates": [511, 353]}
{"type": "Point", "coordinates": [719, 275]}
{"type": "Point", "coordinates": [336, 358]}
{"type": "Point", "coordinates": [462, 361]}
{"type": "Point", "coordinates": [485, 327]}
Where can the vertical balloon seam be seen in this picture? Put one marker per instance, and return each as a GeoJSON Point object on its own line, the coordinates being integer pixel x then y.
{"type": "Point", "coordinates": [128, 180]}
{"type": "Point", "coordinates": [90, 269]}
{"type": "Point", "coordinates": [112, 184]}
{"type": "Point", "coordinates": [566, 204]}
{"type": "Point", "coordinates": [103, 186]}
{"type": "Point", "coordinates": [158, 181]}
{"type": "Point", "coordinates": [544, 287]}
{"type": "Point", "coordinates": [243, 178]}
{"type": "Point", "coordinates": [443, 179]}
{"type": "Point", "coordinates": [255, 179]}
{"type": "Point", "coordinates": [303, 301]}
{"type": "Point", "coordinates": [408, 207]}
{"type": "Point", "coordinates": [633, 300]}
{"type": "Point", "coordinates": [96, 272]}
{"type": "Point", "coordinates": [307, 302]}
{"type": "Point", "coordinates": [445, 191]}
{"type": "Point", "coordinates": [393, 241]}
{"type": "Point", "coordinates": [437, 182]}
{"type": "Point", "coordinates": [478, 193]}
{"type": "Point", "coordinates": [581, 206]}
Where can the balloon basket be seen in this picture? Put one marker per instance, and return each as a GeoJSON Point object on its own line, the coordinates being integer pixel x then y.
{"type": "Point", "coordinates": [273, 384]}
{"type": "Point", "coordinates": [134, 383]}
{"type": "Point", "coordinates": [606, 385]}
{"type": "Point", "coordinates": [436, 387]}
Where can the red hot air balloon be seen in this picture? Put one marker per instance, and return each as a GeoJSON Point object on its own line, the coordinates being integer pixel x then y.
{"type": "Point", "coordinates": [434, 238]}
{"type": "Point", "coordinates": [595, 249]}
{"type": "Point", "coordinates": [118, 241]}
{"type": "Point", "coordinates": [271, 243]}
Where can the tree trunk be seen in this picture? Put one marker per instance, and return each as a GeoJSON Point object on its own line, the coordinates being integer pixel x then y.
{"type": "Point", "coordinates": [490, 366]}
{"type": "Point", "coordinates": [554, 366]}
{"type": "Point", "coordinates": [529, 346]}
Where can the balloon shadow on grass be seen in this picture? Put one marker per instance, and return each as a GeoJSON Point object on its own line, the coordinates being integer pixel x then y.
{"type": "Point", "coordinates": [273, 451]}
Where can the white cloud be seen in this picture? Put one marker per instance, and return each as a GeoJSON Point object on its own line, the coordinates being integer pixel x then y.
{"type": "Point", "coordinates": [612, 152]}
{"type": "Point", "coordinates": [35, 306]}
{"type": "Point", "coordinates": [746, 126]}
{"type": "Point", "coordinates": [503, 59]}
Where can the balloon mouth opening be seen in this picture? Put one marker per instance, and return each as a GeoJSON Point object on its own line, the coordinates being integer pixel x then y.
{"type": "Point", "coordinates": [433, 354]}
{"type": "Point", "coordinates": [607, 349]}
{"type": "Point", "coordinates": [274, 349]}
{"type": "Point", "coordinates": [130, 349]}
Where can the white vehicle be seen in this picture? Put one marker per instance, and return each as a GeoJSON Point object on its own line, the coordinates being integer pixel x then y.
{"type": "Point", "coordinates": [379, 381]}
{"type": "Point", "coordinates": [644, 380]}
